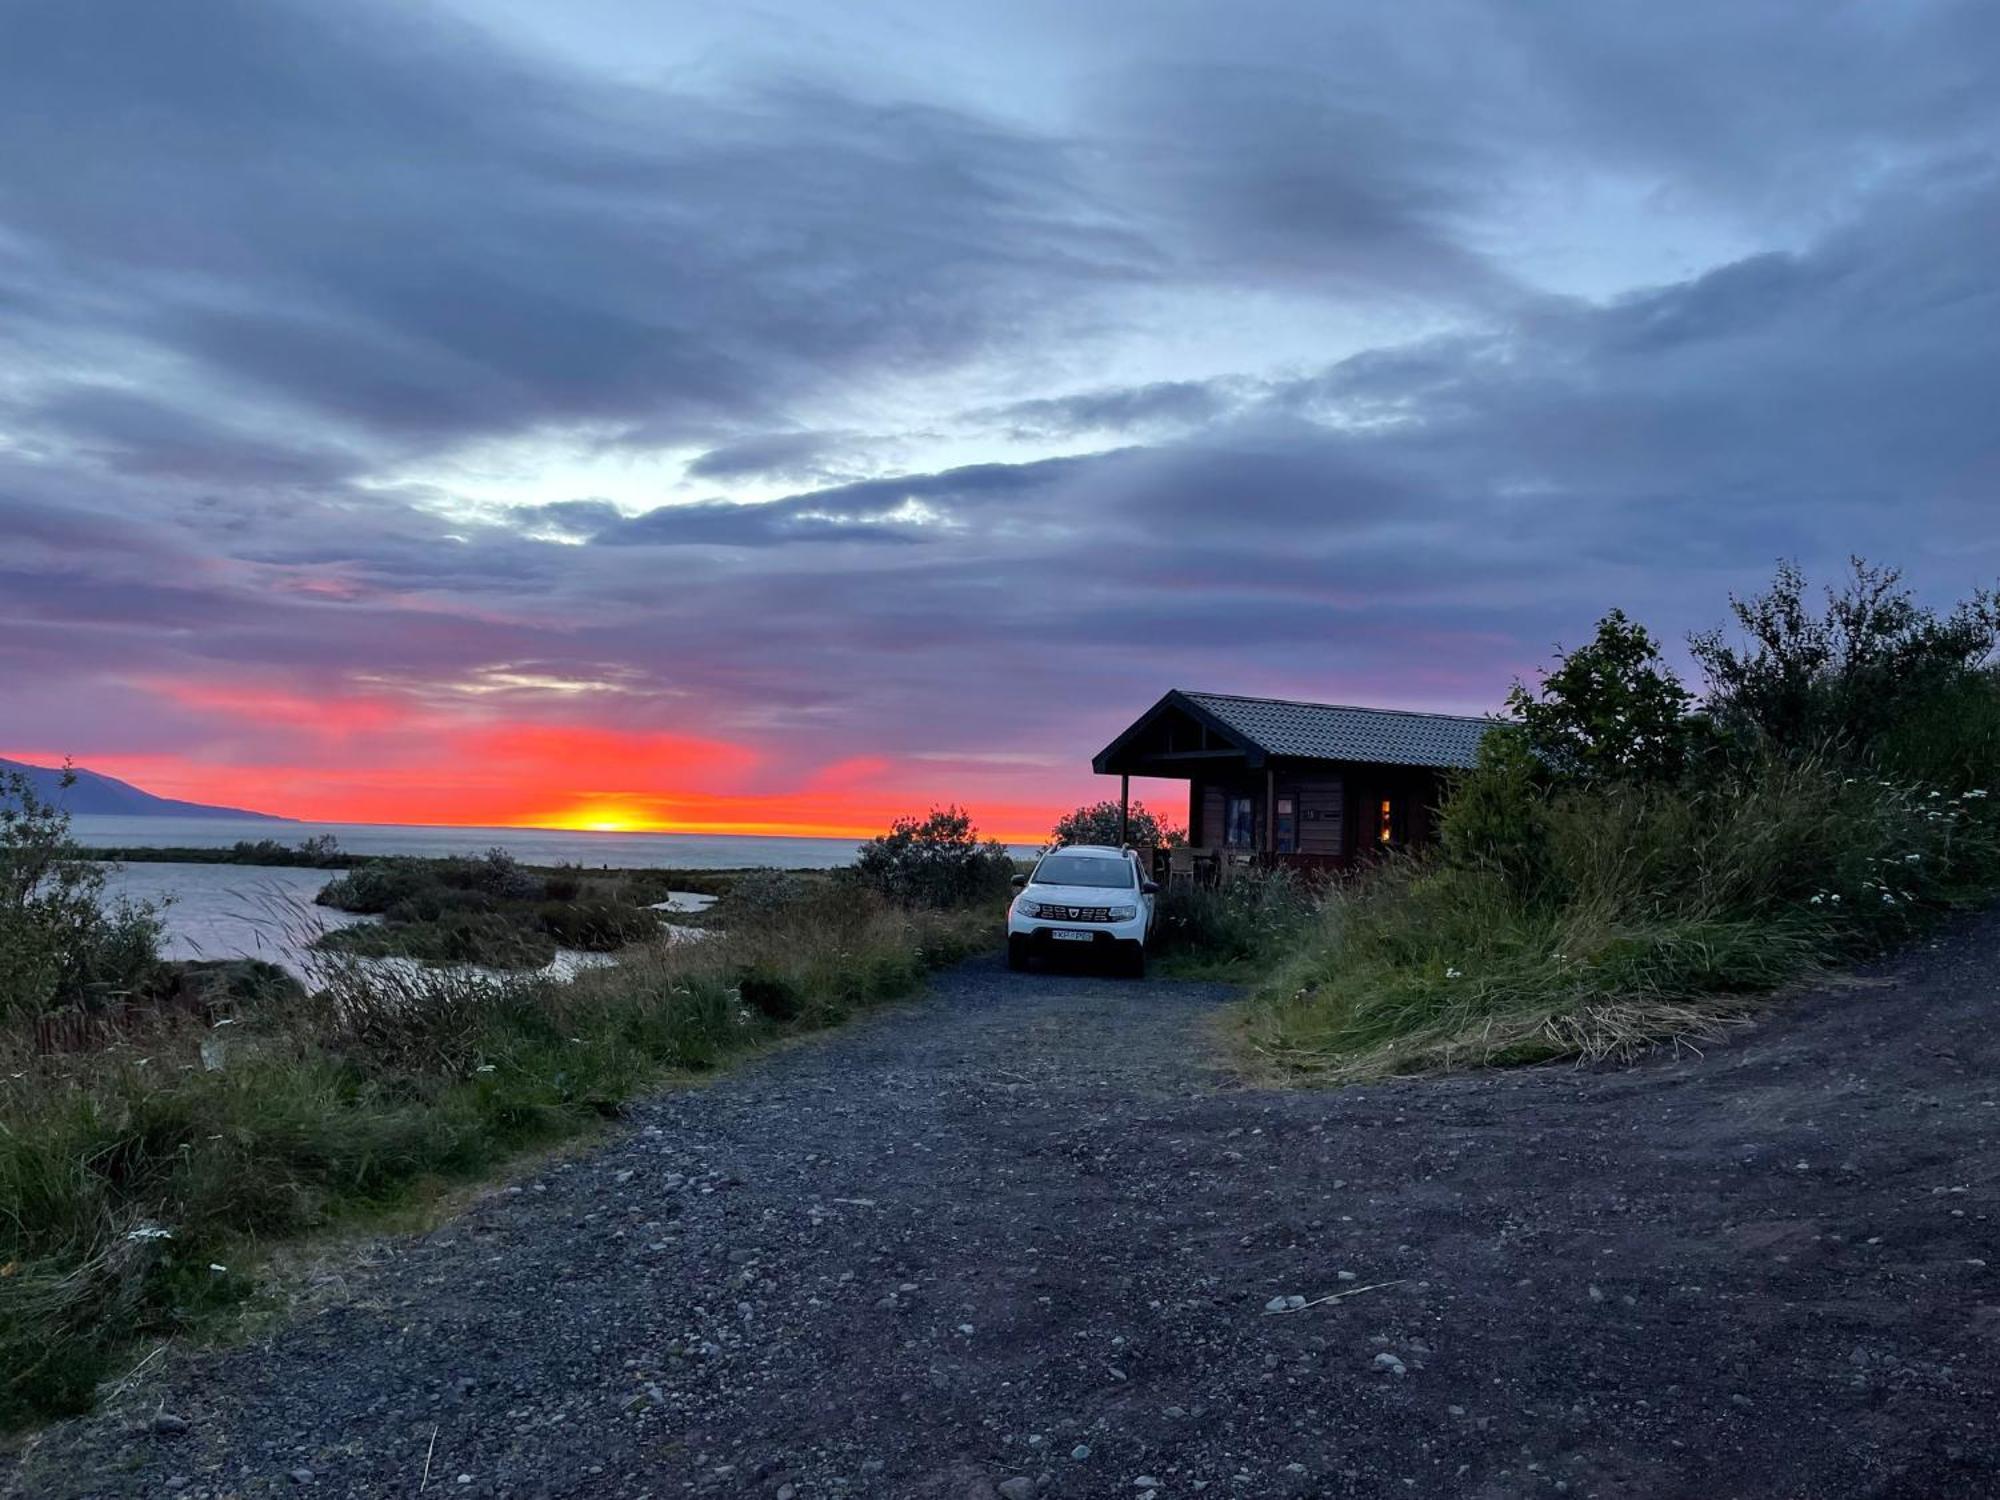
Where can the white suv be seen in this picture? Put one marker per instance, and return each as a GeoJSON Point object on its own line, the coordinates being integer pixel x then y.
{"type": "Point", "coordinates": [1086, 899]}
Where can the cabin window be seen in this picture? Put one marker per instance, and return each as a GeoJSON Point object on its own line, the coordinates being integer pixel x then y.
{"type": "Point", "coordinates": [1239, 822]}
{"type": "Point", "coordinates": [1389, 822]}
{"type": "Point", "coordinates": [1288, 826]}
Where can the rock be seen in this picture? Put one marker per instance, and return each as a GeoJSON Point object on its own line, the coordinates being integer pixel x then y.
{"type": "Point", "coordinates": [787, 1491]}
{"type": "Point", "coordinates": [1020, 1487]}
{"type": "Point", "coordinates": [302, 1476]}
{"type": "Point", "coordinates": [1080, 1452]}
{"type": "Point", "coordinates": [1389, 1362]}
{"type": "Point", "coordinates": [1276, 1304]}
{"type": "Point", "coordinates": [166, 1424]}
{"type": "Point", "coordinates": [1145, 1482]}
{"type": "Point", "coordinates": [1345, 1276]}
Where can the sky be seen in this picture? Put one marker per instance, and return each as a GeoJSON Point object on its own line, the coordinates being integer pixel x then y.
{"type": "Point", "coordinates": [785, 416]}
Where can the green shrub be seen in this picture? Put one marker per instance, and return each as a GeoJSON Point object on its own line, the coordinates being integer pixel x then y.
{"type": "Point", "coordinates": [1854, 673]}
{"type": "Point", "coordinates": [1099, 823]}
{"type": "Point", "coordinates": [934, 863]}
{"type": "Point", "coordinates": [1250, 919]}
{"type": "Point", "coordinates": [597, 926]}
{"type": "Point", "coordinates": [370, 890]}
{"type": "Point", "coordinates": [772, 994]}
{"type": "Point", "coordinates": [62, 944]}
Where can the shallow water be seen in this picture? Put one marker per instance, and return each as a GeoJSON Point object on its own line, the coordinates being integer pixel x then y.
{"type": "Point", "coordinates": [253, 911]}
{"type": "Point", "coordinates": [234, 911]}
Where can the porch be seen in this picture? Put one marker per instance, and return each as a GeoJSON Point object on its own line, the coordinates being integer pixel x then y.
{"type": "Point", "coordinates": [1314, 787]}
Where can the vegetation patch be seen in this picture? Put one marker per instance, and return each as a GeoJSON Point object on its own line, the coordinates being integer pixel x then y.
{"type": "Point", "coordinates": [1629, 864]}
{"type": "Point", "coordinates": [490, 911]}
{"type": "Point", "coordinates": [145, 1176]}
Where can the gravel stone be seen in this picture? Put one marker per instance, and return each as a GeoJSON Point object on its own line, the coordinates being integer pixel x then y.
{"type": "Point", "coordinates": [1137, 1189]}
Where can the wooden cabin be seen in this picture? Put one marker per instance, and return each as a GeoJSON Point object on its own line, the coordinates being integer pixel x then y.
{"type": "Point", "coordinates": [1310, 784]}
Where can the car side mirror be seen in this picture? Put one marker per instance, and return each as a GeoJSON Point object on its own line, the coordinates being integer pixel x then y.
{"type": "Point", "coordinates": [1149, 887]}
{"type": "Point", "coordinates": [1020, 882]}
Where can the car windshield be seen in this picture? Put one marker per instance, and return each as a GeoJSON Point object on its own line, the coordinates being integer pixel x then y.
{"type": "Point", "coordinates": [1085, 869]}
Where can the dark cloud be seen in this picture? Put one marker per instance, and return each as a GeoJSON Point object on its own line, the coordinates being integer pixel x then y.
{"type": "Point", "coordinates": [1164, 403]}
{"type": "Point", "coordinates": [796, 456]}
{"type": "Point", "coordinates": [278, 278]}
{"type": "Point", "coordinates": [402, 227]}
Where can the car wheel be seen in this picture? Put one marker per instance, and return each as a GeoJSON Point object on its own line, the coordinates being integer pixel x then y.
{"type": "Point", "coordinates": [1136, 964]}
{"type": "Point", "coordinates": [1017, 954]}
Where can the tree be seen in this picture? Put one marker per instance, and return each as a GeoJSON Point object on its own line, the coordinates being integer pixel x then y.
{"type": "Point", "coordinates": [1843, 675]}
{"type": "Point", "coordinates": [1611, 710]}
{"type": "Point", "coordinates": [935, 861]}
{"type": "Point", "coordinates": [1097, 823]}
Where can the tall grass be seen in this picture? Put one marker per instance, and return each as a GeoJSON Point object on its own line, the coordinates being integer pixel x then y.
{"type": "Point", "coordinates": [1651, 914]}
{"type": "Point", "coordinates": [140, 1185]}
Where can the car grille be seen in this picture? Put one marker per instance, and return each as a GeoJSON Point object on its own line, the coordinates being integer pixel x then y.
{"type": "Point", "coordinates": [1048, 911]}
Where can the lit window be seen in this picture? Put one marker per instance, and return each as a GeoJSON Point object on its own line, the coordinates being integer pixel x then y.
{"type": "Point", "coordinates": [1385, 822]}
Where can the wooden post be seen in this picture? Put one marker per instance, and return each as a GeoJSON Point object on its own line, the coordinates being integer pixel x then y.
{"type": "Point", "coordinates": [1271, 814]}
{"type": "Point", "coordinates": [1124, 811]}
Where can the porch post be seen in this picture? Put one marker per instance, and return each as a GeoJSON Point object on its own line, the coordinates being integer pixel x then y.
{"type": "Point", "coordinates": [1124, 810]}
{"type": "Point", "coordinates": [1271, 812]}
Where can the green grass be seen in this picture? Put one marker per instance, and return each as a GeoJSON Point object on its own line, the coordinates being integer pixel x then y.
{"type": "Point", "coordinates": [1646, 915]}
{"type": "Point", "coordinates": [233, 1139]}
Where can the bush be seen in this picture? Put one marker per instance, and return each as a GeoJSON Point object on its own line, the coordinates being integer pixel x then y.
{"type": "Point", "coordinates": [1851, 675]}
{"type": "Point", "coordinates": [1495, 817]}
{"type": "Point", "coordinates": [597, 926]}
{"type": "Point", "coordinates": [1097, 823]}
{"type": "Point", "coordinates": [1250, 920]}
{"type": "Point", "coordinates": [370, 890]}
{"type": "Point", "coordinates": [62, 944]}
{"type": "Point", "coordinates": [934, 863]}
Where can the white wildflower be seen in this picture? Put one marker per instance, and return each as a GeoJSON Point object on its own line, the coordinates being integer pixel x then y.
{"type": "Point", "coordinates": [1453, 974]}
{"type": "Point", "coordinates": [149, 1232]}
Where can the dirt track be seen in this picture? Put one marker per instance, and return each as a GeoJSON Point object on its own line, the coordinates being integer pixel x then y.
{"type": "Point", "coordinates": [1019, 1238]}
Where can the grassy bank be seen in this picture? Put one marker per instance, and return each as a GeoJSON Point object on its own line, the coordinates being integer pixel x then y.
{"type": "Point", "coordinates": [143, 1181]}
{"type": "Point", "coordinates": [1661, 919]}
{"type": "Point", "coordinates": [1629, 866]}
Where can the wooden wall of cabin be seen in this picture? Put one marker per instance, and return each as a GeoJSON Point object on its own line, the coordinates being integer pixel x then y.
{"type": "Point", "coordinates": [1337, 812]}
{"type": "Point", "coordinates": [1319, 809]}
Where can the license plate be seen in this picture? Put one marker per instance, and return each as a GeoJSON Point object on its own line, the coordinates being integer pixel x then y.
{"type": "Point", "coordinates": [1063, 935]}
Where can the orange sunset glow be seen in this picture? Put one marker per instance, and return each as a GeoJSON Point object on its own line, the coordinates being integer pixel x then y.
{"type": "Point", "coordinates": [385, 758]}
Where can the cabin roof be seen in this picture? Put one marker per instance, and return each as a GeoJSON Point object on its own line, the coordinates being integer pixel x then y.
{"type": "Point", "coordinates": [1264, 727]}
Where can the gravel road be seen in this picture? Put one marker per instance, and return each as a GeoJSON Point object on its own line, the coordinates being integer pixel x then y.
{"type": "Point", "coordinates": [1022, 1237]}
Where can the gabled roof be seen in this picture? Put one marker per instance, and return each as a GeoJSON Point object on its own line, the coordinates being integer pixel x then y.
{"type": "Point", "coordinates": [1266, 727]}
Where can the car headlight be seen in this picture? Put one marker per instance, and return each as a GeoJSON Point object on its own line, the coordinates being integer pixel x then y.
{"type": "Point", "coordinates": [1026, 908]}
{"type": "Point", "coordinates": [1124, 913]}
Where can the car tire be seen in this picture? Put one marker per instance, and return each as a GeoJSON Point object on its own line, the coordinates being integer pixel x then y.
{"type": "Point", "coordinates": [1017, 954]}
{"type": "Point", "coordinates": [1135, 962]}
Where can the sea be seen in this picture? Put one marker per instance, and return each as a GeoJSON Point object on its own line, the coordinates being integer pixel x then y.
{"type": "Point", "coordinates": [531, 846]}
{"type": "Point", "coordinates": [262, 911]}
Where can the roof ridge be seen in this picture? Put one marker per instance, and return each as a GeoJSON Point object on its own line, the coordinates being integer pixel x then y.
{"type": "Point", "coordinates": [1357, 708]}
